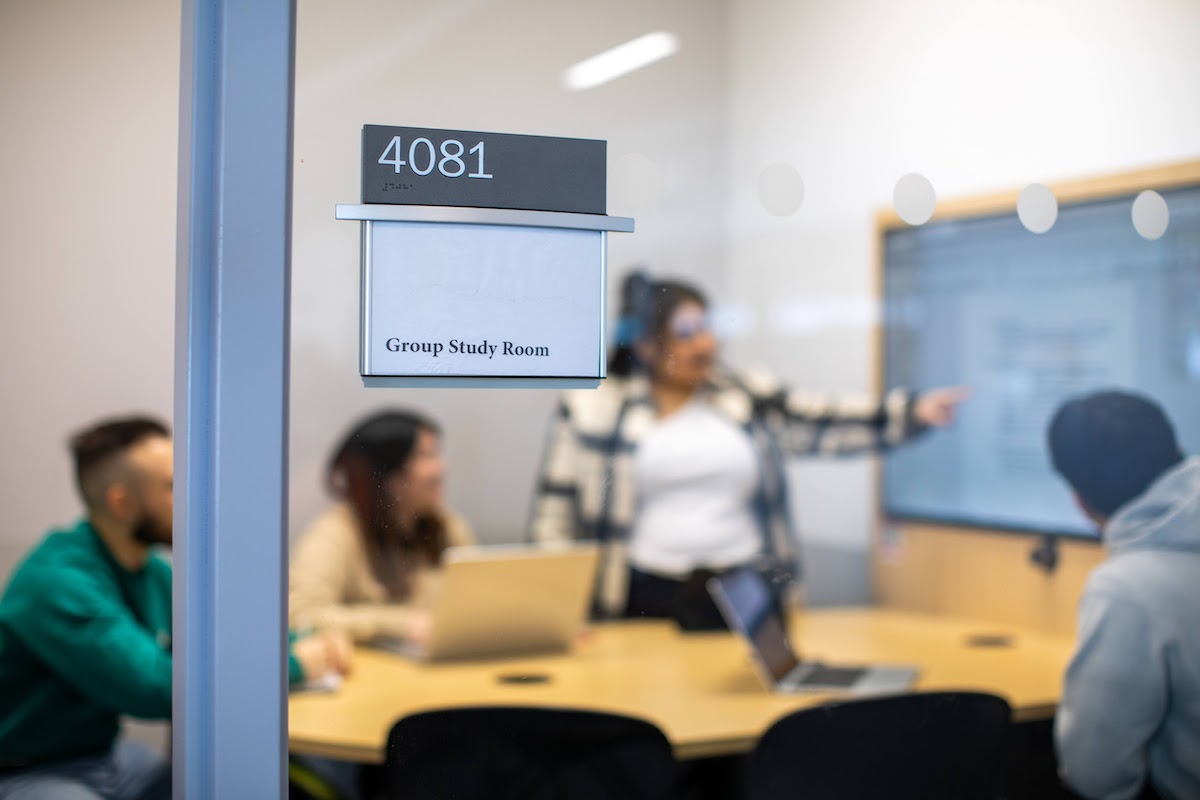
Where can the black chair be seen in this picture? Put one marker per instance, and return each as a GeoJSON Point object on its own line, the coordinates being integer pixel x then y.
{"type": "Point", "coordinates": [527, 754]}
{"type": "Point", "coordinates": [927, 746]}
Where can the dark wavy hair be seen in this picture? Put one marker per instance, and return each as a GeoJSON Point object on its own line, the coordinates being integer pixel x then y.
{"type": "Point", "coordinates": [1111, 446]}
{"type": "Point", "coordinates": [375, 449]}
{"type": "Point", "coordinates": [646, 309]}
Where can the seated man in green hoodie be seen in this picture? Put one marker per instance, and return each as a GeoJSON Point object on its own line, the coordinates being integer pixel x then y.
{"type": "Point", "coordinates": [85, 630]}
{"type": "Point", "coordinates": [1130, 712]}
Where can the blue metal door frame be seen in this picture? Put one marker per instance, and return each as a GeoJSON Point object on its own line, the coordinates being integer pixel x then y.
{"type": "Point", "coordinates": [231, 398]}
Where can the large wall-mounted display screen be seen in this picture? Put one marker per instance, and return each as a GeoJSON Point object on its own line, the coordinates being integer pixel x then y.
{"type": "Point", "coordinates": [1026, 320]}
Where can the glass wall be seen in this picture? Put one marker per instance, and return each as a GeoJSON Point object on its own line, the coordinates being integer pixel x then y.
{"type": "Point", "coordinates": [755, 149]}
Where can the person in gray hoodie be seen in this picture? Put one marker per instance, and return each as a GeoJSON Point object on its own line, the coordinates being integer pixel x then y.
{"type": "Point", "coordinates": [1130, 713]}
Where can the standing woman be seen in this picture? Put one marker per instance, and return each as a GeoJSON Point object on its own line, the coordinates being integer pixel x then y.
{"type": "Point", "coordinates": [368, 566]}
{"type": "Point", "coordinates": [676, 463]}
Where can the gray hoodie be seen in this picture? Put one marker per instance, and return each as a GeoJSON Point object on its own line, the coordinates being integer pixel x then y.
{"type": "Point", "coordinates": [1131, 702]}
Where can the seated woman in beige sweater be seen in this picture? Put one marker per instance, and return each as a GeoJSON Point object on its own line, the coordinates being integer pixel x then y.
{"type": "Point", "coordinates": [368, 566]}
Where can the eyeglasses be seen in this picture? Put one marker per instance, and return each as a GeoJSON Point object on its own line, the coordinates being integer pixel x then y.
{"type": "Point", "coordinates": [688, 326]}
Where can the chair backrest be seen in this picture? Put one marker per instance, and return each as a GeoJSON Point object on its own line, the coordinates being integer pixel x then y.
{"type": "Point", "coordinates": [925, 745]}
{"type": "Point", "coordinates": [527, 753]}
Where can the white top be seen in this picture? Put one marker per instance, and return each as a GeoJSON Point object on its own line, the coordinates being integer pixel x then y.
{"type": "Point", "coordinates": [696, 474]}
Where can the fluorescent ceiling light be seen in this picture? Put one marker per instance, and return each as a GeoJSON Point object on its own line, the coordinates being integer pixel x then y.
{"type": "Point", "coordinates": [620, 60]}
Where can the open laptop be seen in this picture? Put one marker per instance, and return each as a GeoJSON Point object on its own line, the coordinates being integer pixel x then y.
{"type": "Point", "coordinates": [745, 602]}
{"type": "Point", "coordinates": [507, 600]}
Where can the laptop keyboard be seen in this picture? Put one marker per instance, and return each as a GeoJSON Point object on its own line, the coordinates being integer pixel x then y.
{"type": "Point", "coordinates": [821, 675]}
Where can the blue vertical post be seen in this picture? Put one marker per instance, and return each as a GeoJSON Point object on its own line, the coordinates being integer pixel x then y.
{"type": "Point", "coordinates": [231, 398]}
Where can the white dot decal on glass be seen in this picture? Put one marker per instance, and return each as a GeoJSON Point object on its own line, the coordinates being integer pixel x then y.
{"type": "Point", "coordinates": [1150, 215]}
{"type": "Point", "coordinates": [1037, 208]}
{"type": "Point", "coordinates": [635, 183]}
{"type": "Point", "coordinates": [780, 189]}
{"type": "Point", "coordinates": [914, 199]}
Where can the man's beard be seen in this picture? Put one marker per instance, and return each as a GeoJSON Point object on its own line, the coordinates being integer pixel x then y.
{"type": "Point", "coordinates": [150, 533]}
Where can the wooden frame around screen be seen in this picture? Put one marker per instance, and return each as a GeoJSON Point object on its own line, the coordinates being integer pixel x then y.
{"type": "Point", "coordinates": [956, 570]}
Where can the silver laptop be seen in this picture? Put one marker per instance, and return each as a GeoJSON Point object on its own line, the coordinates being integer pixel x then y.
{"type": "Point", "coordinates": [745, 602]}
{"type": "Point", "coordinates": [507, 600]}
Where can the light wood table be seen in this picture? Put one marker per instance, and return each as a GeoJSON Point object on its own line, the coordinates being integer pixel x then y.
{"type": "Point", "coordinates": [700, 689]}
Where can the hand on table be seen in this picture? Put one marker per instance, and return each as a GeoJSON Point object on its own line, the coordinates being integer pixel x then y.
{"type": "Point", "coordinates": [323, 653]}
{"type": "Point", "coordinates": [340, 649]}
{"type": "Point", "coordinates": [420, 626]}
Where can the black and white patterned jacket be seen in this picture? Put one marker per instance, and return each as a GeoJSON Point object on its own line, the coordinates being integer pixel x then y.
{"type": "Point", "coordinates": [587, 492]}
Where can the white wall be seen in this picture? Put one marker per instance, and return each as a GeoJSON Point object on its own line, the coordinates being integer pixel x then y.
{"type": "Point", "coordinates": [977, 96]}
{"type": "Point", "coordinates": [88, 100]}
{"type": "Point", "coordinates": [88, 142]}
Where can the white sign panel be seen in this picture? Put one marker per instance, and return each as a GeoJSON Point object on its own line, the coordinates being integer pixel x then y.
{"type": "Point", "coordinates": [482, 296]}
{"type": "Point", "coordinates": [465, 300]}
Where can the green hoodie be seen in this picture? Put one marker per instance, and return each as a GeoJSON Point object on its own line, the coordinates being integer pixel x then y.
{"type": "Point", "coordinates": [82, 642]}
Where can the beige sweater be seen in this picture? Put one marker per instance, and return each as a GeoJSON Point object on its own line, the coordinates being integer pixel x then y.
{"type": "Point", "coordinates": [332, 585]}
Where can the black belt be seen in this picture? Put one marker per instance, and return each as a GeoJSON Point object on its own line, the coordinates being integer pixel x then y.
{"type": "Point", "coordinates": [698, 574]}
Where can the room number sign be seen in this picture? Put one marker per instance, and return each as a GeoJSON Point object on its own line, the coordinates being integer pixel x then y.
{"type": "Point", "coordinates": [436, 167]}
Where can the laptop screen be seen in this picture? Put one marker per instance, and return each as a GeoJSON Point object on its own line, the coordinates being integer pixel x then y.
{"type": "Point", "coordinates": [745, 601]}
